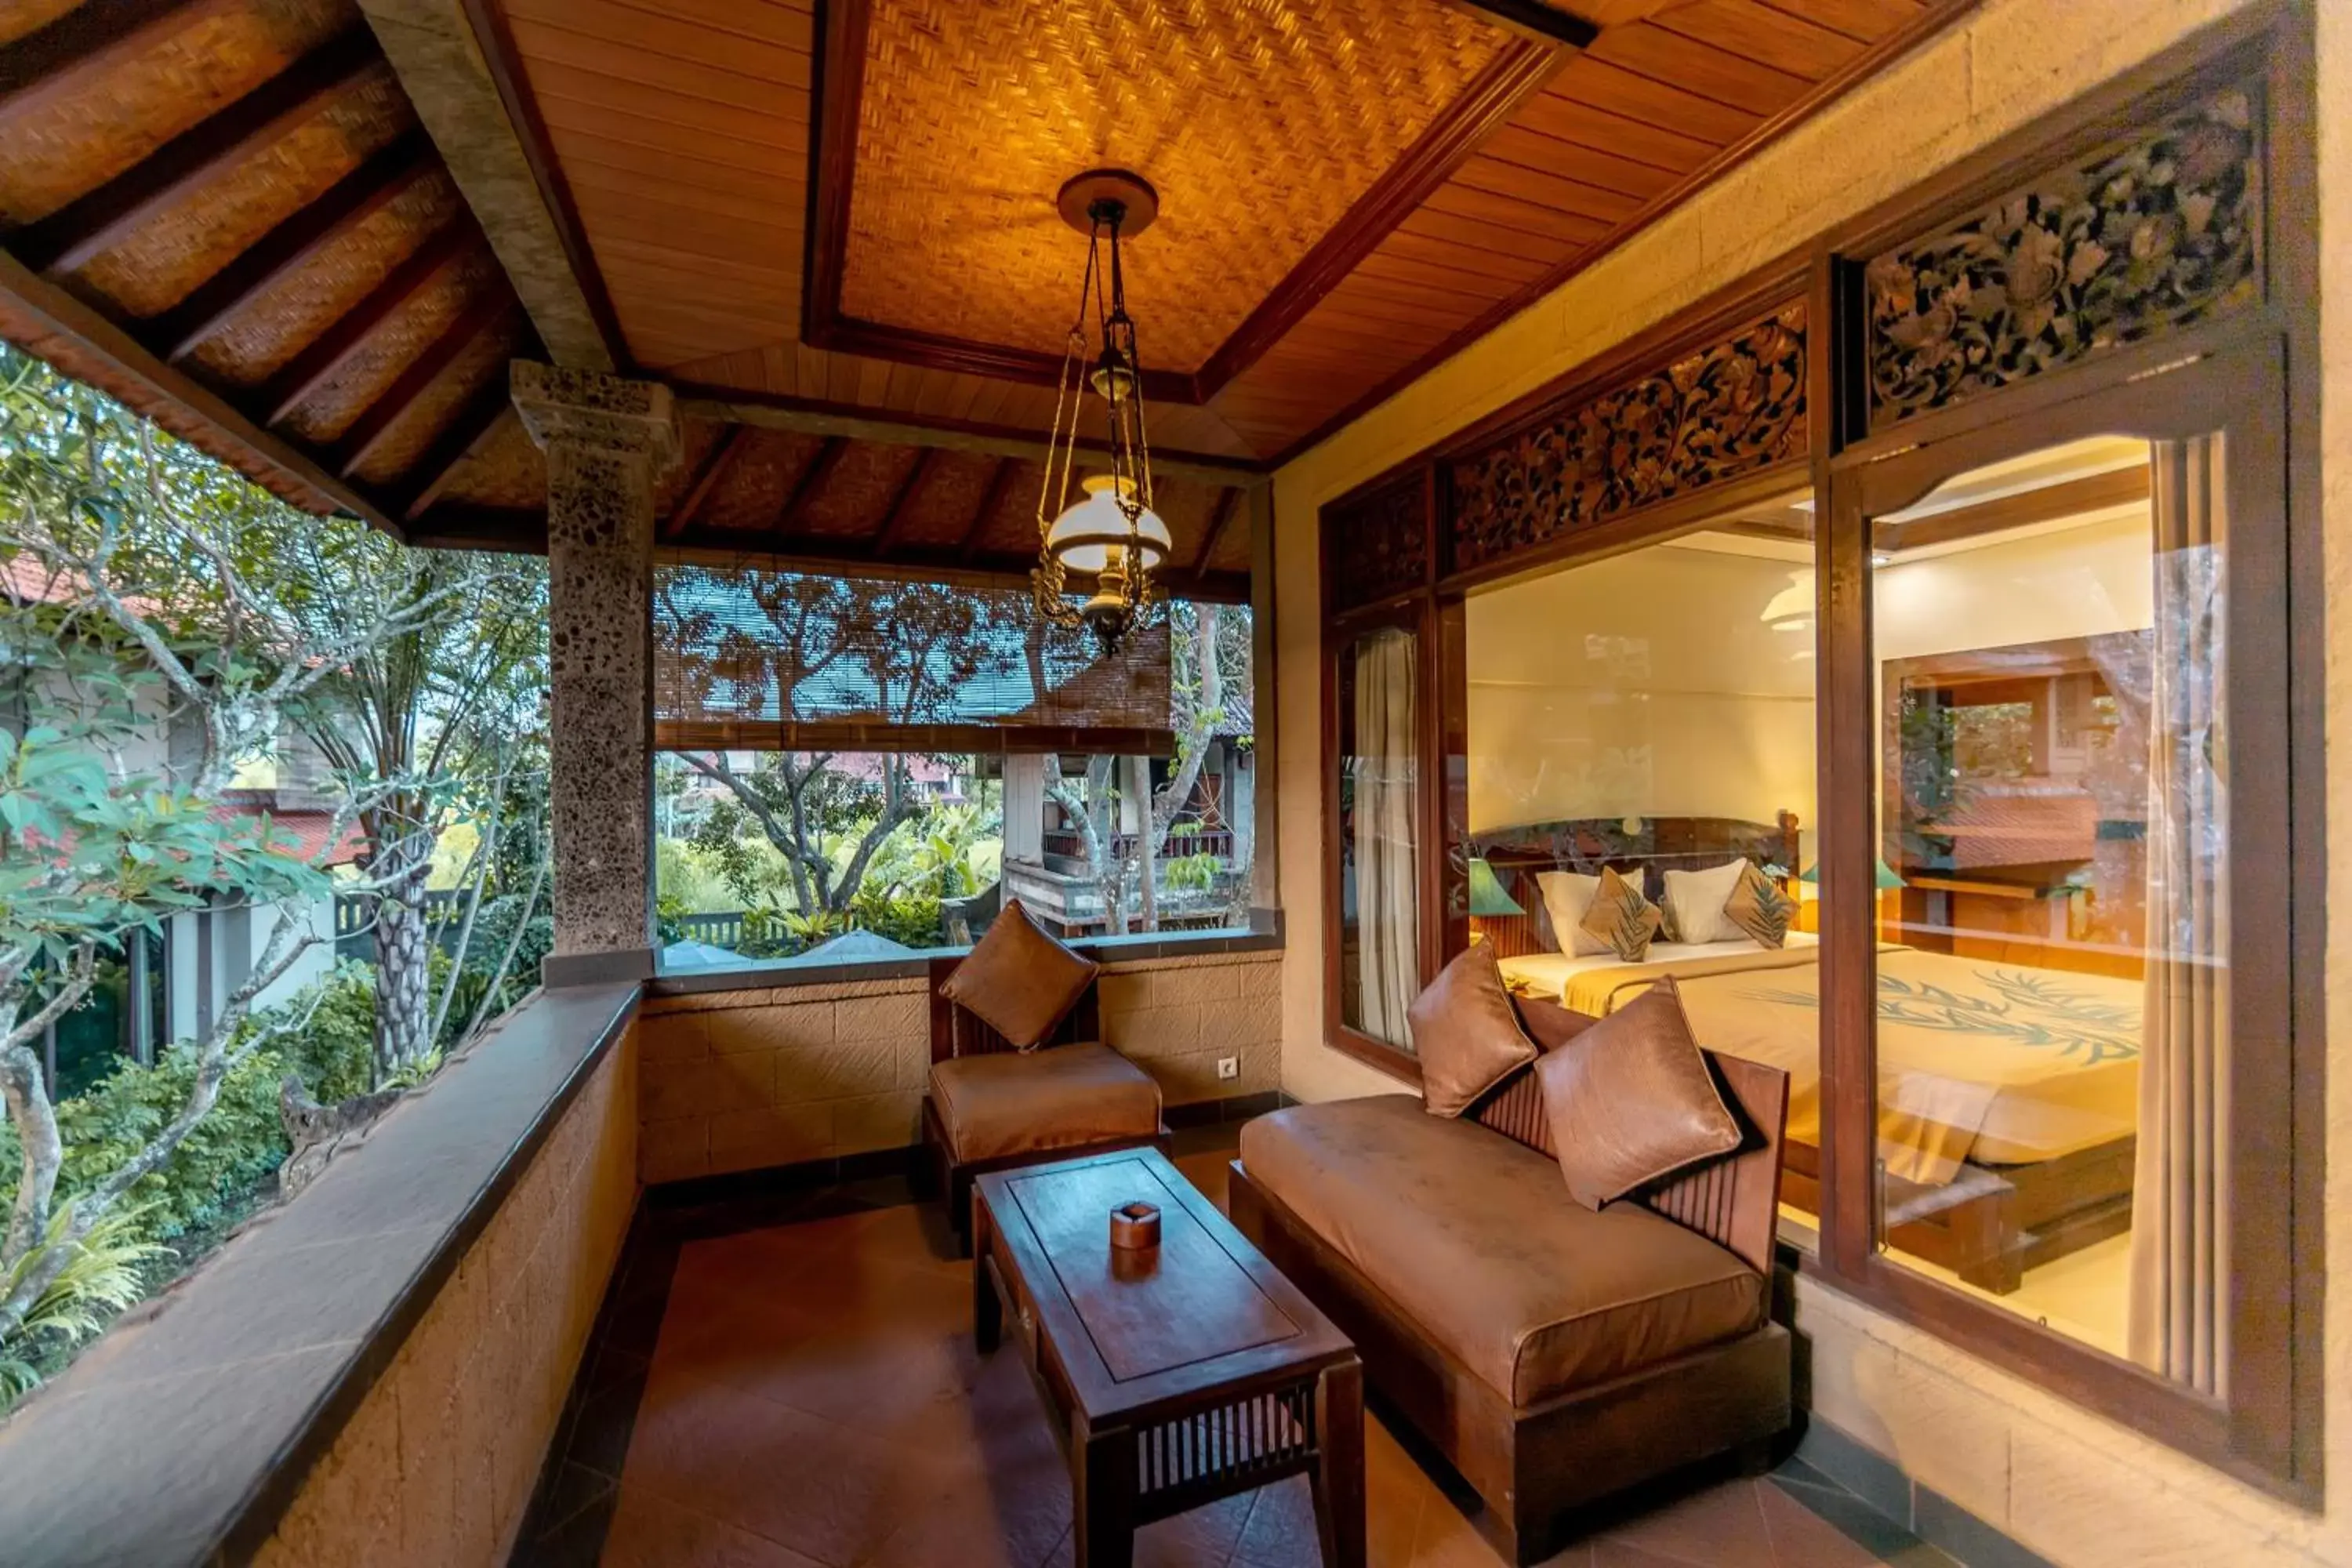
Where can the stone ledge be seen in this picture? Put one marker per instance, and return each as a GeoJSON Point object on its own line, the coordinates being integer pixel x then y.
{"type": "Point", "coordinates": [1114, 953]}
{"type": "Point", "coordinates": [182, 1436]}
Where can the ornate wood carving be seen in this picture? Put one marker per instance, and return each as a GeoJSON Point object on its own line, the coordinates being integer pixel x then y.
{"type": "Point", "coordinates": [2147, 237]}
{"type": "Point", "coordinates": [1376, 544]}
{"type": "Point", "coordinates": [1733, 407]}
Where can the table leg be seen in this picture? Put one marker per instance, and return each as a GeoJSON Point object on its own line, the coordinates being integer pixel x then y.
{"type": "Point", "coordinates": [987, 1307]}
{"type": "Point", "coordinates": [1338, 1474]}
{"type": "Point", "coordinates": [1102, 1498]}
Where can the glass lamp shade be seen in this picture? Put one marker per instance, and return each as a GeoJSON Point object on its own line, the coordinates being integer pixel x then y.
{"type": "Point", "coordinates": [1488, 899]}
{"type": "Point", "coordinates": [1887, 879]}
{"type": "Point", "coordinates": [1084, 537]}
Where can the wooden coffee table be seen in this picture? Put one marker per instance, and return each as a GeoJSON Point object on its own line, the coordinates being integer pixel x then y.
{"type": "Point", "coordinates": [1176, 1377]}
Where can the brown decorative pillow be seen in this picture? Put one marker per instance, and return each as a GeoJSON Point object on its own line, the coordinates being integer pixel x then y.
{"type": "Point", "coordinates": [1622, 918]}
{"type": "Point", "coordinates": [1759, 907]}
{"type": "Point", "coordinates": [1019, 981]}
{"type": "Point", "coordinates": [1632, 1101]}
{"type": "Point", "coordinates": [1466, 1032]}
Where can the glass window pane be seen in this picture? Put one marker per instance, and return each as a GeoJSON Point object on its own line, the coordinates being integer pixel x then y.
{"type": "Point", "coordinates": [1652, 715]}
{"type": "Point", "coordinates": [2054, 978]}
{"type": "Point", "coordinates": [1378, 811]}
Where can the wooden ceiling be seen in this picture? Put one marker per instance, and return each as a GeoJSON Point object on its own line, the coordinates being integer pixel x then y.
{"type": "Point", "coordinates": [829, 226]}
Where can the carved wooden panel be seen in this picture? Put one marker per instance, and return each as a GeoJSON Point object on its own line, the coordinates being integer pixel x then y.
{"type": "Point", "coordinates": [1376, 544]}
{"type": "Point", "coordinates": [2149, 237]}
{"type": "Point", "coordinates": [1729, 409]}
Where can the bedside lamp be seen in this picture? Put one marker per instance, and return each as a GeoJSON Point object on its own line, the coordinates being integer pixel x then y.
{"type": "Point", "coordinates": [1487, 899]}
{"type": "Point", "coordinates": [1887, 881]}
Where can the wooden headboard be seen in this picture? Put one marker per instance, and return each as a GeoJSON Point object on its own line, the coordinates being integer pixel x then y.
{"type": "Point", "coordinates": [1654, 844]}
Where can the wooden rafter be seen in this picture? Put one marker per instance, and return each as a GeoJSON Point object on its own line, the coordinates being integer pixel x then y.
{"type": "Point", "coordinates": [87, 42]}
{"type": "Point", "coordinates": [380, 415]}
{"type": "Point", "coordinates": [92, 223]}
{"type": "Point", "coordinates": [804, 488]}
{"type": "Point", "coordinates": [383, 178]}
{"type": "Point", "coordinates": [1216, 530]}
{"type": "Point", "coordinates": [464, 437]}
{"type": "Point", "coordinates": [1534, 18]}
{"type": "Point", "coordinates": [894, 521]}
{"type": "Point", "coordinates": [67, 331]}
{"type": "Point", "coordinates": [321, 358]}
{"type": "Point", "coordinates": [999, 481]}
{"type": "Point", "coordinates": [724, 453]}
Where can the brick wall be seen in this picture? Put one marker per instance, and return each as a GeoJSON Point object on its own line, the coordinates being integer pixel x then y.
{"type": "Point", "coordinates": [736, 1080]}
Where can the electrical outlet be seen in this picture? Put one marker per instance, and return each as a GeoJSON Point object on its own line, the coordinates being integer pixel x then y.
{"type": "Point", "coordinates": [1229, 1066]}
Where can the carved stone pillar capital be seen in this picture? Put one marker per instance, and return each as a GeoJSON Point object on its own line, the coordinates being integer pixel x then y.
{"type": "Point", "coordinates": [607, 414]}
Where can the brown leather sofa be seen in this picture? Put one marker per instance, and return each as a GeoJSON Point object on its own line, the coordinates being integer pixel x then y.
{"type": "Point", "coordinates": [1551, 1353]}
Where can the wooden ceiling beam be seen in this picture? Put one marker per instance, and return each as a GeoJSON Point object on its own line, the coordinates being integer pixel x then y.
{"type": "Point", "coordinates": [894, 521]}
{"type": "Point", "coordinates": [724, 453]}
{"type": "Point", "coordinates": [47, 320]}
{"type": "Point", "coordinates": [1211, 535]}
{"type": "Point", "coordinates": [89, 41]}
{"type": "Point", "coordinates": [325, 355]}
{"type": "Point", "coordinates": [776, 410]}
{"type": "Point", "coordinates": [1533, 18]}
{"type": "Point", "coordinates": [387, 174]}
{"type": "Point", "coordinates": [94, 222]}
{"type": "Point", "coordinates": [460, 441]}
{"type": "Point", "coordinates": [812, 480]}
{"type": "Point", "coordinates": [999, 481]}
{"type": "Point", "coordinates": [359, 443]}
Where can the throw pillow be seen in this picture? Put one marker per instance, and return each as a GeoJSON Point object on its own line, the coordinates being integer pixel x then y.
{"type": "Point", "coordinates": [1622, 919]}
{"type": "Point", "coordinates": [1693, 903]}
{"type": "Point", "coordinates": [1759, 907]}
{"type": "Point", "coordinates": [1019, 980]}
{"type": "Point", "coordinates": [1632, 1101]}
{"type": "Point", "coordinates": [1466, 1032]}
{"type": "Point", "coordinates": [1566, 896]}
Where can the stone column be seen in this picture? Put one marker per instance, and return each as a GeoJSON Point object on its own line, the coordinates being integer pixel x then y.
{"type": "Point", "coordinates": [607, 440]}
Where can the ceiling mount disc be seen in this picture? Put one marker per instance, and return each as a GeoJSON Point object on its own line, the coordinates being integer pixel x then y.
{"type": "Point", "coordinates": [1076, 199]}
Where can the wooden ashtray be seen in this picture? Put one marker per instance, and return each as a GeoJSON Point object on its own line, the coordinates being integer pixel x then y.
{"type": "Point", "coordinates": [1135, 1227]}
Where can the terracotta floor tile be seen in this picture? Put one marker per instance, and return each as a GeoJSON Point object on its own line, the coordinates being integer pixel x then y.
{"type": "Point", "coordinates": [813, 1398]}
{"type": "Point", "coordinates": [1803, 1538]}
{"type": "Point", "coordinates": [649, 1531]}
{"type": "Point", "coordinates": [1722, 1527]}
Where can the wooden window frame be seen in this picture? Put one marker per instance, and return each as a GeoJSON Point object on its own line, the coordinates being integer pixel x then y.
{"type": "Point", "coordinates": [2261, 363]}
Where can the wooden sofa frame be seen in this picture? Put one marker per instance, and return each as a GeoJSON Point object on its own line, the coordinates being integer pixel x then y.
{"type": "Point", "coordinates": [957, 1031]}
{"type": "Point", "coordinates": [1531, 1467]}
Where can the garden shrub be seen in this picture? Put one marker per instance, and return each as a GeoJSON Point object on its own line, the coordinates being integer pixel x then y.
{"type": "Point", "coordinates": [912, 920]}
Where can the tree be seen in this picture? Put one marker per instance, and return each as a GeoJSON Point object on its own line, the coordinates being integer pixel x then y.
{"type": "Point", "coordinates": [1209, 672]}
{"type": "Point", "coordinates": [809, 648]}
{"type": "Point", "coordinates": [417, 675]}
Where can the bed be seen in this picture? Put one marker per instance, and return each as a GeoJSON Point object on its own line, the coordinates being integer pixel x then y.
{"type": "Point", "coordinates": [2007, 1094]}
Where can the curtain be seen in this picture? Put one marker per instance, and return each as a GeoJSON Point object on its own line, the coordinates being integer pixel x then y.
{"type": "Point", "coordinates": [1387, 908]}
{"type": "Point", "coordinates": [2180, 1218]}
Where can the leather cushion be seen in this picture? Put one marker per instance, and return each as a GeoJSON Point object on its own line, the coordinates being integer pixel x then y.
{"type": "Point", "coordinates": [1631, 1100]}
{"type": "Point", "coordinates": [1466, 1032]}
{"type": "Point", "coordinates": [1467, 1234]}
{"type": "Point", "coordinates": [1620, 916]}
{"type": "Point", "coordinates": [1010, 1103]}
{"type": "Point", "coordinates": [1019, 981]}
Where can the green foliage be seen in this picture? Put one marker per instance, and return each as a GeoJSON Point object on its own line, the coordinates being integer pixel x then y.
{"type": "Point", "coordinates": [334, 1055]}
{"type": "Point", "coordinates": [1193, 873]}
{"type": "Point", "coordinates": [108, 1270]}
{"type": "Point", "coordinates": [912, 920]}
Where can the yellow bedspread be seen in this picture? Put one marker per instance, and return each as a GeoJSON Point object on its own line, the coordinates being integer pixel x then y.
{"type": "Point", "coordinates": [1996, 1063]}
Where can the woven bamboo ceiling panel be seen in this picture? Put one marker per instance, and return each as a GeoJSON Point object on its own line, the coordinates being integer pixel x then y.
{"type": "Point", "coordinates": [1260, 126]}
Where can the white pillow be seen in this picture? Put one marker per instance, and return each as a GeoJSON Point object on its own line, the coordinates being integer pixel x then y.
{"type": "Point", "coordinates": [1695, 901]}
{"type": "Point", "coordinates": [1566, 897]}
